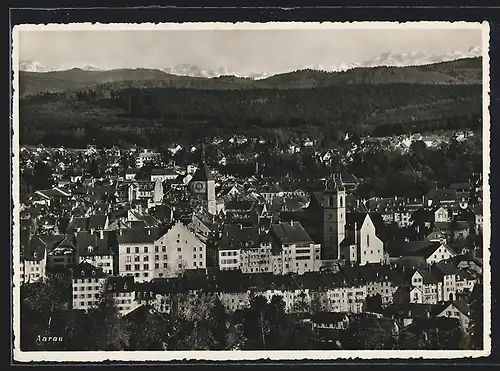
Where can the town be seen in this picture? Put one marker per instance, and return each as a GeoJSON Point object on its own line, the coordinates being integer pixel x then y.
{"type": "Point", "coordinates": [215, 244]}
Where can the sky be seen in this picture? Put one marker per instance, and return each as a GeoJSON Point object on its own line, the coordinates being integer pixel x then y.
{"type": "Point", "coordinates": [242, 51]}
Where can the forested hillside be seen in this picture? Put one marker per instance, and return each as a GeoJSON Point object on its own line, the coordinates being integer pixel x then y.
{"type": "Point", "coordinates": [143, 111]}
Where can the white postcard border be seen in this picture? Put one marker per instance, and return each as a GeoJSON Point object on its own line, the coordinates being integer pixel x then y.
{"type": "Point", "coordinates": [68, 356]}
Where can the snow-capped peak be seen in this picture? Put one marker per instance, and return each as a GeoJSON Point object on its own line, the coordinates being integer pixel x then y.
{"type": "Point", "coordinates": [33, 66]}
{"type": "Point", "coordinates": [420, 58]}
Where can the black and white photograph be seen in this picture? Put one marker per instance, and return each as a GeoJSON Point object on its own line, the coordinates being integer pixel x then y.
{"type": "Point", "coordinates": [243, 191]}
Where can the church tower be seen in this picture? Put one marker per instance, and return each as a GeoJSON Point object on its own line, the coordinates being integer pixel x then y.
{"type": "Point", "coordinates": [334, 217]}
{"type": "Point", "coordinates": [202, 185]}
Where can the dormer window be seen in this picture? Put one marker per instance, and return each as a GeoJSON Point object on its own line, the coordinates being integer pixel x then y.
{"type": "Point", "coordinates": [83, 273]}
{"type": "Point", "coordinates": [93, 272]}
{"type": "Point", "coordinates": [35, 255]}
{"type": "Point", "coordinates": [90, 249]}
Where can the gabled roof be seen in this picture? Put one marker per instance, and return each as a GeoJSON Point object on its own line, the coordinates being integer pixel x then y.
{"type": "Point", "coordinates": [87, 270]}
{"type": "Point", "coordinates": [97, 221]}
{"type": "Point", "coordinates": [290, 233]}
{"type": "Point", "coordinates": [413, 248]}
{"type": "Point", "coordinates": [91, 245]}
{"type": "Point", "coordinates": [138, 235]}
{"type": "Point", "coordinates": [236, 236]}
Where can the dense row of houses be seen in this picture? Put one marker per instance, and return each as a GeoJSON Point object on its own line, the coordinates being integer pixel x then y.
{"type": "Point", "coordinates": [157, 237]}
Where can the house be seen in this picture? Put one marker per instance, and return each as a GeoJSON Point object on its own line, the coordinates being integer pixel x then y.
{"type": "Point", "coordinates": [50, 197]}
{"type": "Point", "coordinates": [428, 285]}
{"type": "Point", "coordinates": [163, 175]}
{"type": "Point", "coordinates": [408, 294]}
{"type": "Point", "coordinates": [422, 252]}
{"type": "Point", "coordinates": [478, 219]}
{"type": "Point", "coordinates": [136, 252]}
{"type": "Point", "coordinates": [458, 309]}
{"type": "Point", "coordinates": [131, 173]}
{"type": "Point", "coordinates": [293, 250]}
{"type": "Point", "coordinates": [235, 238]}
{"type": "Point", "coordinates": [145, 157]}
{"type": "Point", "coordinates": [122, 288]}
{"type": "Point", "coordinates": [33, 258]}
{"type": "Point", "coordinates": [98, 250]}
{"type": "Point", "coordinates": [456, 229]}
{"type": "Point", "coordinates": [62, 255]}
{"type": "Point", "coordinates": [87, 283]}
{"type": "Point", "coordinates": [271, 191]}
{"type": "Point", "coordinates": [330, 320]}
{"type": "Point", "coordinates": [176, 251]}
{"type": "Point", "coordinates": [443, 197]}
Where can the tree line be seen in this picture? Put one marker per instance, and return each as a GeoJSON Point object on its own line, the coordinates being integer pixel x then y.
{"type": "Point", "coordinates": [200, 322]}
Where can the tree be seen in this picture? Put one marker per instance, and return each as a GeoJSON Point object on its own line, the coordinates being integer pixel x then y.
{"type": "Point", "coordinates": [150, 331]}
{"type": "Point", "coordinates": [301, 303]}
{"type": "Point", "coordinates": [42, 176]}
{"type": "Point", "coordinates": [108, 328]}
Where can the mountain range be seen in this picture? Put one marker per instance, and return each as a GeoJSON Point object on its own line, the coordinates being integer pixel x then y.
{"type": "Point", "coordinates": [186, 69]}
{"type": "Point", "coordinates": [464, 71]}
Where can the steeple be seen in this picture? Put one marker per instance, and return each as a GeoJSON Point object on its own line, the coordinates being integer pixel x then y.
{"type": "Point", "coordinates": [202, 149]}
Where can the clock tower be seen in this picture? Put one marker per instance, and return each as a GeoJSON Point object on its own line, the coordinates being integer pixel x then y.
{"type": "Point", "coordinates": [202, 186]}
{"type": "Point", "coordinates": [334, 218]}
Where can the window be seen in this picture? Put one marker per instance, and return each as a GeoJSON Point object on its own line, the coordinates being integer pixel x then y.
{"type": "Point", "coordinates": [157, 248]}
{"type": "Point", "coordinates": [179, 249]}
{"type": "Point", "coordinates": [178, 241]}
{"type": "Point", "coordinates": [194, 248]}
{"type": "Point", "coordinates": [194, 256]}
{"type": "Point", "coordinates": [341, 201]}
{"type": "Point", "coordinates": [137, 267]}
{"type": "Point", "coordinates": [128, 267]}
{"type": "Point", "coordinates": [145, 249]}
{"type": "Point", "coordinates": [165, 265]}
{"type": "Point", "coordinates": [137, 250]}
{"type": "Point", "coordinates": [137, 258]}
{"type": "Point", "coordinates": [163, 249]}
{"type": "Point", "coordinates": [368, 240]}
{"type": "Point", "coordinates": [157, 265]}
{"type": "Point", "coordinates": [164, 257]}
{"type": "Point", "coordinates": [146, 258]}
{"type": "Point", "coordinates": [201, 256]}
{"type": "Point", "coordinates": [194, 264]}
{"type": "Point", "coordinates": [128, 250]}
{"type": "Point", "coordinates": [146, 267]}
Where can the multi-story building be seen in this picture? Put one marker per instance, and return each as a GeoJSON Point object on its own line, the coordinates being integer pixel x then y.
{"type": "Point", "coordinates": [293, 250]}
{"type": "Point", "coordinates": [88, 282]}
{"type": "Point", "coordinates": [97, 250]}
{"type": "Point", "coordinates": [136, 252]}
{"type": "Point", "coordinates": [145, 157]}
{"type": "Point", "coordinates": [33, 260]}
{"type": "Point", "coordinates": [177, 250]}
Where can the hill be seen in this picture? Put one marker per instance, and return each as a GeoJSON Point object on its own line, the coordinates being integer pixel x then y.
{"type": "Point", "coordinates": [155, 116]}
{"type": "Point", "coordinates": [459, 72]}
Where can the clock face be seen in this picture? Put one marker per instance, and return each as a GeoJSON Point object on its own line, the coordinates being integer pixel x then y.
{"type": "Point", "coordinates": [199, 186]}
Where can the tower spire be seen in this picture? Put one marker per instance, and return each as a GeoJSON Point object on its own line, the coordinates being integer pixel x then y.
{"type": "Point", "coordinates": [202, 156]}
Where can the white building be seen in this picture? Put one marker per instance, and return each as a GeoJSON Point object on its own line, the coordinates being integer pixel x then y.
{"type": "Point", "coordinates": [87, 282]}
